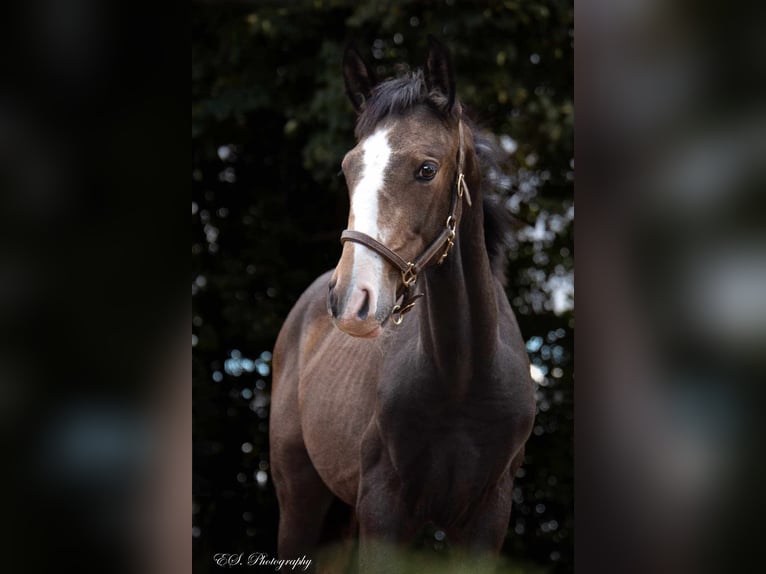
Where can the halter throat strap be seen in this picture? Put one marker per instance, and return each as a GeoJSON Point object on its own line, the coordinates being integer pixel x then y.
{"type": "Point", "coordinates": [437, 250]}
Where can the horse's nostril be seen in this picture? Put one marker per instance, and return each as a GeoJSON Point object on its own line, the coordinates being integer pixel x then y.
{"type": "Point", "coordinates": [332, 302]}
{"type": "Point", "coordinates": [365, 309]}
{"type": "Point", "coordinates": [333, 283]}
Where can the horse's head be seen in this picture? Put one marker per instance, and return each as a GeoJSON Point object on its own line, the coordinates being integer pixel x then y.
{"type": "Point", "coordinates": [401, 176]}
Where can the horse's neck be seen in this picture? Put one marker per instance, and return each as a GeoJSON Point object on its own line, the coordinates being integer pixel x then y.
{"type": "Point", "coordinates": [458, 319]}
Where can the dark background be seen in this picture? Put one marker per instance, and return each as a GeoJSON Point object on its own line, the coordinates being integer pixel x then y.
{"type": "Point", "coordinates": [270, 124]}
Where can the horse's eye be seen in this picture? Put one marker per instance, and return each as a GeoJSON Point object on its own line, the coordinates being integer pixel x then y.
{"type": "Point", "coordinates": [427, 171]}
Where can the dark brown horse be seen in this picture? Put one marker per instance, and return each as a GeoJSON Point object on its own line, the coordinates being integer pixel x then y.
{"type": "Point", "coordinates": [401, 380]}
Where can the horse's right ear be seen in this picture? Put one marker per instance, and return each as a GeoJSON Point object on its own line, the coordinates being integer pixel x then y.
{"type": "Point", "coordinates": [358, 77]}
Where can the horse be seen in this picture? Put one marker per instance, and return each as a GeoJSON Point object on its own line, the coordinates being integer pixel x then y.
{"type": "Point", "coordinates": [401, 380]}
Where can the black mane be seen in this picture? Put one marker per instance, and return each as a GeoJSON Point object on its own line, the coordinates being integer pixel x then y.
{"type": "Point", "coordinates": [397, 96]}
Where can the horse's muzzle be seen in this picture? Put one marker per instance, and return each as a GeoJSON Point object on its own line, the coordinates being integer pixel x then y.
{"type": "Point", "coordinates": [353, 309]}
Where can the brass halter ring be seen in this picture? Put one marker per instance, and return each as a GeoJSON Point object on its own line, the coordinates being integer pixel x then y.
{"type": "Point", "coordinates": [397, 313]}
{"type": "Point", "coordinates": [409, 275]}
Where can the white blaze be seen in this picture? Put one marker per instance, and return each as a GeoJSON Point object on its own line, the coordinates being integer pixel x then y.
{"type": "Point", "coordinates": [364, 201]}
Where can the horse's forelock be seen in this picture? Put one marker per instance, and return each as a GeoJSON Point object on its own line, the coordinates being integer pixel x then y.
{"type": "Point", "coordinates": [397, 96]}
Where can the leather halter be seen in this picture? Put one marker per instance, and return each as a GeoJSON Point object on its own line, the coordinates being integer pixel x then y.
{"type": "Point", "coordinates": [440, 246]}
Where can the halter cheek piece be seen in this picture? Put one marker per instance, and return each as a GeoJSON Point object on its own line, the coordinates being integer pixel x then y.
{"type": "Point", "coordinates": [440, 246]}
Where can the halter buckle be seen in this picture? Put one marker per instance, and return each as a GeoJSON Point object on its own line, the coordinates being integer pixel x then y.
{"type": "Point", "coordinates": [451, 224]}
{"type": "Point", "coordinates": [462, 188]}
{"type": "Point", "coordinates": [409, 275]}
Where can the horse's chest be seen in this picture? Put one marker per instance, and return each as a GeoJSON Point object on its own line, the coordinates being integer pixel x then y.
{"type": "Point", "coordinates": [445, 471]}
{"type": "Point", "coordinates": [337, 401]}
{"type": "Point", "coordinates": [444, 453]}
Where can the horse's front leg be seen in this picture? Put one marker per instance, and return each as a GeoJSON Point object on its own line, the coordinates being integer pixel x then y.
{"type": "Point", "coordinates": [483, 534]}
{"type": "Point", "coordinates": [303, 501]}
{"type": "Point", "coordinates": [384, 523]}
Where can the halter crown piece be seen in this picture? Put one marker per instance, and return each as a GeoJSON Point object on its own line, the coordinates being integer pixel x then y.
{"type": "Point", "coordinates": [440, 246]}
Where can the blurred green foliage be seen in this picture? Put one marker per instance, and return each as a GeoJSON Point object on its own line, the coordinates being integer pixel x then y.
{"type": "Point", "coordinates": [270, 124]}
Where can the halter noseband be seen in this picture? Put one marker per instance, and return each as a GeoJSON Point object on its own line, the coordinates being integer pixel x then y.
{"type": "Point", "coordinates": [440, 246]}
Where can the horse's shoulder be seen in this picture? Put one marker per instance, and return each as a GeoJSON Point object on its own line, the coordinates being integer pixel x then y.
{"type": "Point", "coordinates": [307, 309]}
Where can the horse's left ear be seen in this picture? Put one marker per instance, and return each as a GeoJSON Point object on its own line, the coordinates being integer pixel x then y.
{"type": "Point", "coordinates": [358, 78]}
{"type": "Point", "coordinates": [439, 74]}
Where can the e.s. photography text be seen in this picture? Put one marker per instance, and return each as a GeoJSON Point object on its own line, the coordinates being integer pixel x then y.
{"type": "Point", "coordinates": [229, 560]}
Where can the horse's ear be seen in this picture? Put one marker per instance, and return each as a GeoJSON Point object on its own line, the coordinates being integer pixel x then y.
{"type": "Point", "coordinates": [439, 74]}
{"type": "Point", "coordinates": [358, 77]}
